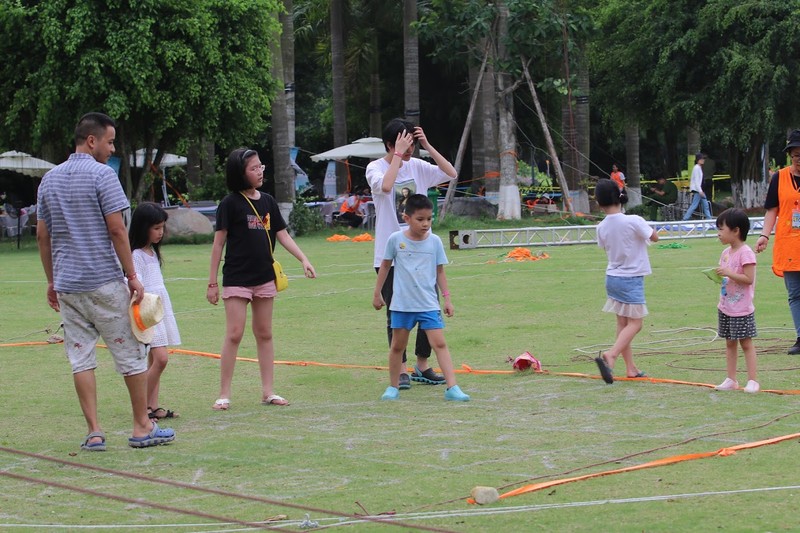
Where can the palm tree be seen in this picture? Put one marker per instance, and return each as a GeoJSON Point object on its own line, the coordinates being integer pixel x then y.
{"type": "Point", "coordinates": [284, 174]}
{"type": "Point", "coordinates": [410, 63]}
{"type": "Point", "coordinates": [338, 85]}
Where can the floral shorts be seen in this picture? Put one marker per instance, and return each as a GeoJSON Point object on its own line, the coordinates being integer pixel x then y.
{"type": "Point", "coordinates": [103, 312]}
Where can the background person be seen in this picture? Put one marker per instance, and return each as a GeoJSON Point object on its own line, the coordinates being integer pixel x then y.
{"type": "Point", "coordinates": [82, 243]}
{"type": "Point", "coordinates": [352, 210]}
{"type": "Point", "coordinates": [696, 188]}
{"type": "Point", "coordinates": [248, 277]}
{"type": "Point", "coordinates": [617, 176]}
{"type": "Point", "coordinates": [664, 192]}
{"type": "Point", "coordinates": [387, 175]}
{"type": "Point", "coordinates": [783, 197]}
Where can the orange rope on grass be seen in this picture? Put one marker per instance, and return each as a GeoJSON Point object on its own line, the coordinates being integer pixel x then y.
{"type": "Point", "coordinates": [722, 452]}
{"type": "Point", "coordinates": [465, 368]}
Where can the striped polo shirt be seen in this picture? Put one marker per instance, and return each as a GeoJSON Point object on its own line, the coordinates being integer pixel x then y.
{"type": "Point", "coordinates": [73, 200]}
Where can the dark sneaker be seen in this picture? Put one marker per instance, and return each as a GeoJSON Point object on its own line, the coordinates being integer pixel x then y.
{"type": "Point", "coordinates": [794, 350]}
{"type": "Point", "coordinates": [428, 376]}
{"type": "Point", "coordinates": [405, 382]}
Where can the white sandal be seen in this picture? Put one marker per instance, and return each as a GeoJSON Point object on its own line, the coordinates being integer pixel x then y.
{"type": "Point", "coordinates": [221, 405]}
{"type": "Point", "coordinates": [274, 399]}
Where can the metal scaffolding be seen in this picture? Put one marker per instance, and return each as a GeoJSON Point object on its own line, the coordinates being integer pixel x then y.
{"type": "Point", "coordinates": [561, 235]}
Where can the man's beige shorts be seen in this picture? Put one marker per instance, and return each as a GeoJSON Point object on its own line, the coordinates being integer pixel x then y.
{"type": "Point", "coordinates": [103, 312]}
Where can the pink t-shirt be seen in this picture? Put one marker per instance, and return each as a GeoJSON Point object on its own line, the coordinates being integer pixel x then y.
{"type": "Point", "coordinates": [736, 299]}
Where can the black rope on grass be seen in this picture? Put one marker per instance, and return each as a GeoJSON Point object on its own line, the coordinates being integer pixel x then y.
{"type": "Point", "coordinates": [141, 502]}
{"type": "Point", "coordinates": [189, 486]}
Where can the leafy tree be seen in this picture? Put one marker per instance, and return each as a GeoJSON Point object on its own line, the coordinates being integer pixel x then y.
{"type": "Point", "coordinates": [169, 71]}
{"type": "Point", "coordinates": [727, 67]}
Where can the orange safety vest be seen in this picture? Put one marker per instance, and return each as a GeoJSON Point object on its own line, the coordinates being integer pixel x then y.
{"type": "Point", "coordinates": [346, 208]}
{"type": "Point", "coordinates": [617, 177]}
{"type": "Point", "coordinates": [786, 250]}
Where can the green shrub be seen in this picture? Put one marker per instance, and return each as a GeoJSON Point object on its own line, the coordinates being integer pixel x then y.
{"type": "Point", "coordinates": [304, 220]}
{"type": "Point", "coordinates": [641, 210]}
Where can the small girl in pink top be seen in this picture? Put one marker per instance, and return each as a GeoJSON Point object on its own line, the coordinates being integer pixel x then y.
{"type": "Point", "coordinates": [737, 322]}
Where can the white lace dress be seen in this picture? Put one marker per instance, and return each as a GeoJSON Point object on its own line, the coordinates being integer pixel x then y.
{"type": "Point", "coordinates": [149, 273]}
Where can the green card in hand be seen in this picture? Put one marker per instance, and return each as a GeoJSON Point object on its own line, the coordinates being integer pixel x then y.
{"type": "Point", "coordinates": [711, 273]}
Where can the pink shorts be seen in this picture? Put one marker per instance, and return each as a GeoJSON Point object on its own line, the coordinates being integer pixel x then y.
{"type": "Point", "coordinates": [265, 290]}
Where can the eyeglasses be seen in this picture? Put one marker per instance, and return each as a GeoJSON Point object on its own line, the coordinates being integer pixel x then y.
{"type": "Point", "coordinates": [257, 168]}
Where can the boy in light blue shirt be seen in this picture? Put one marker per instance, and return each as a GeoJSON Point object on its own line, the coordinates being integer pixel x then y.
{"type": "Point", "coordinates": [419, 259]}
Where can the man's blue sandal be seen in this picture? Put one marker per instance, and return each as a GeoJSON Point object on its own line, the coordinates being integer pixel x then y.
{"type": "Point", "coordinates": [157, 436]}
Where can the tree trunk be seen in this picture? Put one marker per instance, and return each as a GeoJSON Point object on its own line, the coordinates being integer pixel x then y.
{"type": "Point", "coordinates": [692, 145]}
{"type": "Point", "coordinates": [509, 201]}
{"type": "Point", "coordinates": [488, 113]}
{"type": "Point", "coordinates": [284, 174]}
{"type": "Point", "coordinates": [339, 93]}
{"type": "Point", "coordinates": [375, 122]}
{"type": "Point", "coordinates": [747, 185]}
{"type": "Point", "coordinates": [287, 52]}
{"type": "Point", "coordinates": [411, 63]}
{"type": "Point", "coordinates": [477, 134]}
{"type": "Point", "coordinates": [632, 162]}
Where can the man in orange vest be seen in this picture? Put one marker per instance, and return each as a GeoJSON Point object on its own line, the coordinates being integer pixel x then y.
{"type": "Point", "coordinates": [783, 214]}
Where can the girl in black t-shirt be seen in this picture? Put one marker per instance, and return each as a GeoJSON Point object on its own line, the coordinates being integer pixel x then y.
{"type": "Point", "coordinates": [247, 275]}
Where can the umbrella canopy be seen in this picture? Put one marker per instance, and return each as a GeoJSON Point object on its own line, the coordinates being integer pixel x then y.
{"type": "Point", "coordinates": [169, 160]}
{"type": "Point", "coordinates": [367, 147]}
{"type": "Point", "coordinates": [24, 164]}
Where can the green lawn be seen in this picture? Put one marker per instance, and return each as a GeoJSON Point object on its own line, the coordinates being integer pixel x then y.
{"type": "Point", "coordinates": [339, 450]}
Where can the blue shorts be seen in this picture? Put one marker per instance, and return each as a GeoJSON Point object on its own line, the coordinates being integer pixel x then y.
{"type": "Point", "coordinates": [408, 320]}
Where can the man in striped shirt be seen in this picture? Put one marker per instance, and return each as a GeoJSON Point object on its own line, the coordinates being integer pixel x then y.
{"type": "Point", "coordinates": [84, 248]}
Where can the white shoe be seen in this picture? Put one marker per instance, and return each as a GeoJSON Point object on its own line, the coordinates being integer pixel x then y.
{"type": "Point", "coordinates": [752, 386]}
{"type": "Point", "coordinates": [729, 384]}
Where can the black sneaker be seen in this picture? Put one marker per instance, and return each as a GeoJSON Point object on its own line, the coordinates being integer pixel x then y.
{"type": "Point", "coordinates": [794, 350]}
{"type": "Point", "coordinates": [428, 376]}
{"type": "Point", "coordinates": [405, 382]}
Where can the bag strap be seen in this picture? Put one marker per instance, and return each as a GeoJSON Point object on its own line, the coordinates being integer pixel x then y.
{"type": "Point", "coordinates": [271, 248]}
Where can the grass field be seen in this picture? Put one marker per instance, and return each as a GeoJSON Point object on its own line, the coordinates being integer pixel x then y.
{"type": "Point", "coordinates": [338, 450]}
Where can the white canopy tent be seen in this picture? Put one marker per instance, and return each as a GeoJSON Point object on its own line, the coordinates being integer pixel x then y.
{"type": "Point", "coordinates": [169, 160]}
{"type": "Point", "coordinates": [24, 164]}
{"type": "Point", "coordinates": [366, 147]}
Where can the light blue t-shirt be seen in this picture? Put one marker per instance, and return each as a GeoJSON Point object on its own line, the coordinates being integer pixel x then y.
{"type": "Point", "coordinates": [73, 200]}
{"type": "Point", "coordinates": [415, 264]}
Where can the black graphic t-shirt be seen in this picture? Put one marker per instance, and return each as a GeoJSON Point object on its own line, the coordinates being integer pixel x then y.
{"type": "Point", "coordinates": [248, 258]}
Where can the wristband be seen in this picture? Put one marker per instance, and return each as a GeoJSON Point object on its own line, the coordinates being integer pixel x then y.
{"type": "Point", "coordinates": [212, 285]}
{"type": "Point", "coordinates": [131, 276]}
{"type": "Point", "coordinates": [398, 154]}
{"type": "Point", "coordinates": [765, 236]}
{"type": "Point", "coordinates": [445, 293]}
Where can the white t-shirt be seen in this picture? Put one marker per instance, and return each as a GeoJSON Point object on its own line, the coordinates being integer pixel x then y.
{"type": "Point", "coordinates": [415, 175]}
{"type": "Point", "coordinates": [625, 239]}
{"type": "Point", "coordinates": [696, 183]}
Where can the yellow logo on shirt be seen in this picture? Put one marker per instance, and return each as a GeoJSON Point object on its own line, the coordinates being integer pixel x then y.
{"type": "Point", "coordinates": [402, 246]}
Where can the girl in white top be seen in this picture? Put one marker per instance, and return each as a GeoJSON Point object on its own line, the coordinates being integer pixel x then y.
{"type": "Point", "coordinates": [625, 239]}
{"type": "Point", "coordinates": [145, 234]}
